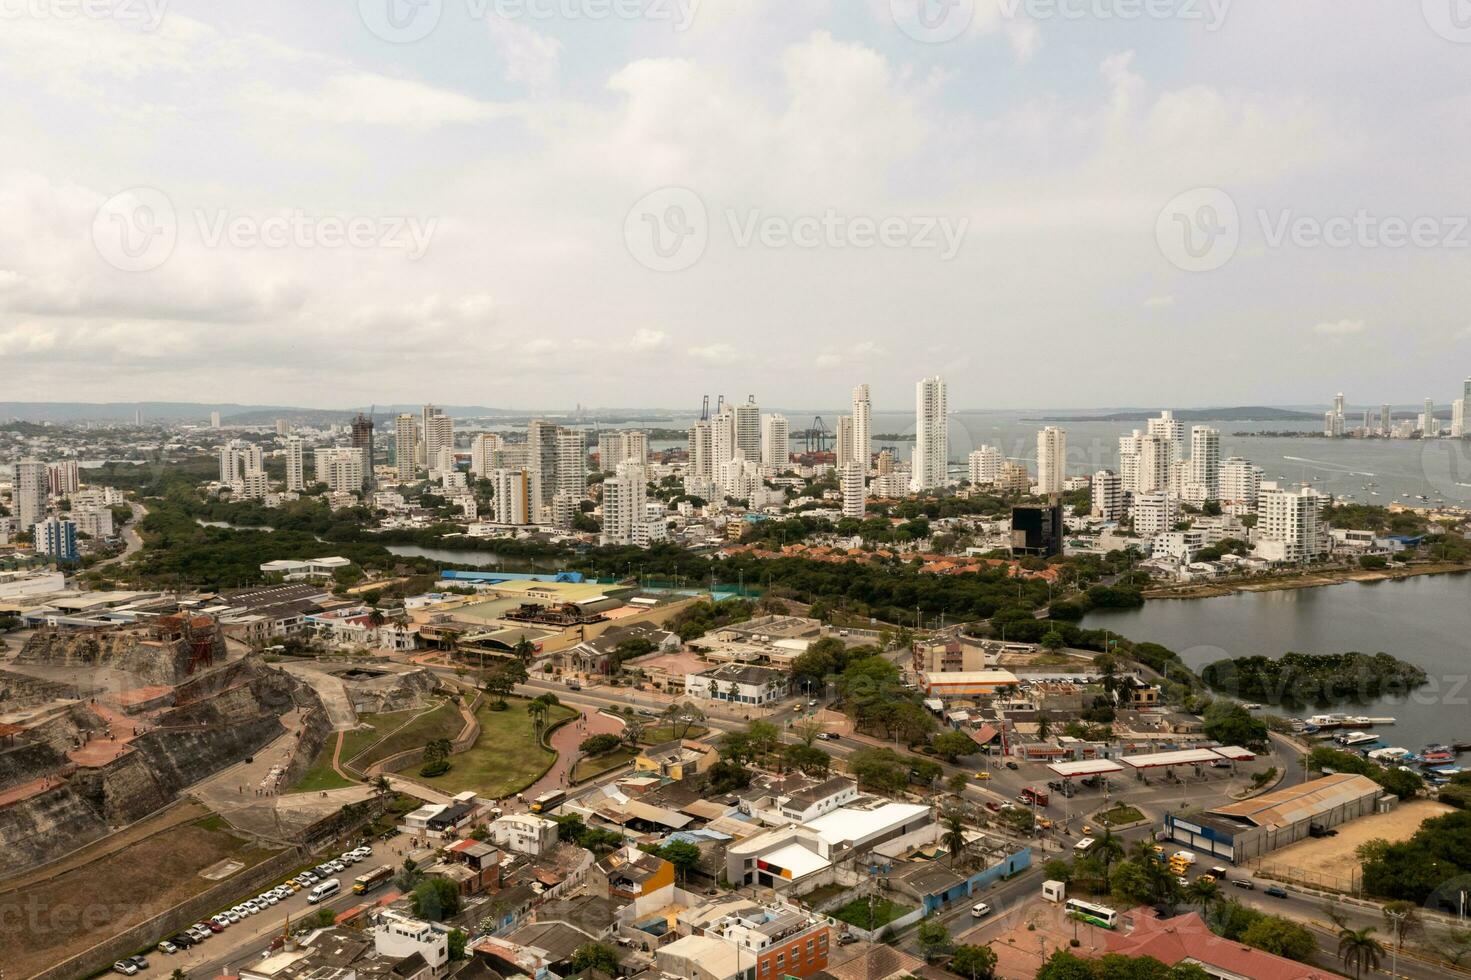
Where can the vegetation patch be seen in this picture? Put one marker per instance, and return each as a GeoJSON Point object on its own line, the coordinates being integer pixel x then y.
{"type": "Point", "coordinates": [506, 758]}
{"type": "Point", "coordinates": [441, 722]}
{"type": "Point", "coordinates": [1119, 815]}
{"type": "Point", "coordinates": [1323, 679]}
{"type": "Point", "coordinates": [871, 914]}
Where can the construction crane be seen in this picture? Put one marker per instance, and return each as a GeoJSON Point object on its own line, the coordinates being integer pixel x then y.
{"type": "Point", "coordinates": [705, 411]}
{"type": "Point", "coordinates": [817, 439]}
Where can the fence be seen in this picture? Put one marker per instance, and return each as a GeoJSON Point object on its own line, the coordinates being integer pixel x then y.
{"type": "Point", "coordinates": [1324, 881]}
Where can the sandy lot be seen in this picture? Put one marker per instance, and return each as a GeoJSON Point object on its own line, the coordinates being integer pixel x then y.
{"type": "Point", "coordinates": [84, 905]}
{"type": "Point", "coordinates": [1335, 855]}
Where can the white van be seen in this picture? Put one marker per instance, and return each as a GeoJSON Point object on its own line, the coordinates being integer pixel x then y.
{"type": "Point", "coordinates": [326, 889]}
{"type": "Point", "coordinates": [979, 910]}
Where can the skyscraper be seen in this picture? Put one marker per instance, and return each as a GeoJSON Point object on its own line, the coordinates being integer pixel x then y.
{"type": "Point", "coordinates": [1108, 495]}
{"type": "Point", "coordinates": [776, 442]}
{"type": "Point", "coordinates": [932, 436]}
{"type": "Point", "coordinates": [701, 464]}
{"type": "Point", "coordinates": [362, 440]}
{"type": "Point", "coordinates": [1203, 481]}
{"type": "Point", "coordinates": [405, 445]}
{"type": "Point", "coordinates": [29, 493]}
{"type": "Point", "coordinates": [853, 490]}
{"type": "Point", "coordinates": [483, 454]}
{"type": "Point", "coordinates": [862, 427]}
{"type": "Point", "coordinates": [843, 443]}
{"type": "Point", "coordinates": [571, 473]}
{"type": "Point", "coordinates": [1051, 459]}
{"type": "Point", "coordinates": [984, 465]}
{"type": "Point", "coordinates": [748, 429]}
{"type": "Point", "coordinates": [517, 496]}
{"type": "Point", "coordinates": [623, 504]}
{"type": "Point", "coordinates": [295, 475]}
{"type": "Point", "coordinates": [439, 431]}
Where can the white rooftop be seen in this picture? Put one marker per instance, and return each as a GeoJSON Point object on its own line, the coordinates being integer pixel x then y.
{"type": "Point", "coordinates": [796, 859]}
{"type": "Point", "coordinates": [853, 824]}
{"type": "Point", "coordinates": [1183, 757]}
{"type": "Point", "coordinates": [1085, 767]}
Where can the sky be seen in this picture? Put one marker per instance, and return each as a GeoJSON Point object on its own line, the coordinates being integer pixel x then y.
{"type": "Point", "coordinates": [633, 203]}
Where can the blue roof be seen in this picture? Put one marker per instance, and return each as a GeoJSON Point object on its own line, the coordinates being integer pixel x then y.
{"type": "Point", "coordinates": [479, 576]}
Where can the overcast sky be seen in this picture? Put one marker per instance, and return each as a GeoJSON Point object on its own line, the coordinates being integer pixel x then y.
{"type": "Point", "coordinates": [635, 202]}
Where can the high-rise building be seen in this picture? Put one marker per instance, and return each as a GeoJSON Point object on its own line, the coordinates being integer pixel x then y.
{"type": "Point", "coordinates": [64, 477]}
{"type": "Point", "coordinates": [984, 465]}
{"type": "Point", "coordinates": [1290, 526]}
{"type": "Point", "coordinates": [517, 496]}
{"type": "Point", "coordinates": [776, 443]}
{"type": "Point", "coordinates": [237, 458]}
{"type": "Point", "coordinates": [1156, 464]}
{"type": "Point", "coordinates": [723, 436]}
{"type": "Point", "coordinates": [1386, 420]}
{"type": "Point", "coordinates": [1037, 529]}
{"type": "Point", "coordinates": [283, 427]}
{"type": "Point", "coordinates": [931, 465]}
{"type": "Point", "coordinates": [1203, 477]}
{"type": "Point", "coordinates": [483, 454]}
{"type": "Point", "coordinates": [862, 427]}
{"type": "Point", "coordinates": [701, 465]}
{"type": "Point", "coordinates": [1429, 426]}
{"type": "Point", "coordinates": [623, 505]}
{"type": "Point", "coordinates": [1164, 463]}
{"type": "Point", "coordinates": [29, 493]}
{"type": "Point", "coordinates": [1241, 482]}
{"type": "Point", "coordinates": [851, 483]}
{"type": "Point", "coordinates": [843, 443]}
{"type": "Point", "coordinates": [214, 420]}
{"type": "Point", "coordinates": [362, 440]}
{"type": "Point", "coordinates": [57, 538]}
{"type": "Point", "coordinates": [1154, 512]}
{"type": "Point", "coordinates": [1458, 417]}
{"type": "Point", "coordinates": [295, 474]}
{"type": "Point", "coordinates": [1130, 449]}
{"type": "Point", "coordinates": [1108, 495]}
{"type": "Point", "coordinates": [340, 468]}
{"type": "Point", "coordinates": [1051, 459]}
{"type": "Point", "coordinates": [406, 445]}
{"type": "Point", "coordinates": [571, 473]}
{"type": "Point", "coordinates": [615, 448]}
{"type": "Point", "coordinates": [748, 429]}
{"type": "Point", "coordinates": [439, 431]}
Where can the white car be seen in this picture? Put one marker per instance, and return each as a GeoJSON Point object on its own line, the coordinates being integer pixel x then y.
{"type": "Point", "coordinates": [337, 867]}
{"type": "Point", "coordinates": [364, 852]}
{"type": "Point", "coordinates": [250, 907]}
{"type": "Point", "coordinates": [269, 899]}
{"type": "Point", "coordinates": [126, 967]}
{"type": "Point", "coordinates": [232, 916]}
{"type": "Point", "coordinates": [979, 910]}
{"type": "Point", "coordinates": [168, 947]}
{"type": "Point", "coordinates": [222, 920]}
{"type": "Point", "coordinates": [282, 892]}
{"type": "Point", "coordinates": [349, 857]}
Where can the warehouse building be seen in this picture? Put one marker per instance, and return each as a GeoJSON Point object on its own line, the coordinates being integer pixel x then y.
{"type": "Point", "coordinates": [1241, 831]}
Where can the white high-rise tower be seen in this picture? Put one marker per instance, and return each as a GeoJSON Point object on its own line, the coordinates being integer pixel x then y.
{"type": "Point", "coordinates": [776, 442]}
{"type": "Point", "coordinates": [862, 427]}
{"type": "Point", "coordinates": [1051, 459]}
{"type": "Point", "coordinates": [930, 468]}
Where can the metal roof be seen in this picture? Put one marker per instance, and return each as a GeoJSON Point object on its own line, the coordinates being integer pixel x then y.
{"type": "Point", "coordinates": [1285, 807]}
{"type": "Point", "coordinates": [1235, 753]}
{"type": "Point", "coordinates": [1085, 767]}
{"type": "Point", "coordinates": [1183, 757]}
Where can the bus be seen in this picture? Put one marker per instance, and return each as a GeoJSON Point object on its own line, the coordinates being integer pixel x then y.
{"type": "Point", "coordinates": [1099, 915]}
{"type": "Point", "coordinates": [1085, 845]}
{"type": "Point", "coordinates": [365, 883]}
{"type": "Point", "coordinates": [547, 802]}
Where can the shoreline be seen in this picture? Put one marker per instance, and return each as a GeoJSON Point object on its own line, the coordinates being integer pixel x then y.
{"type": "Point", "coordinates": [1307, 580]}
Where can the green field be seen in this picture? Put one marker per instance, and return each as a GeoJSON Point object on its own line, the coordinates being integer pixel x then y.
{"type": "Point", "coordinates": [856, 913]}
{"type": "Point", "coordinates": [1120, 814]}
{"type": "Point", "coordinates": [321, 775]}
{"type": "Point", "coordinates": [441, 722]}
{"type": "Point", "coordinates": [505, 759]}
{"type": "Point", "coordinates": [377, 726]}
{"type": "Point", "coordinates": [590, 766]}
{"type": "Point", "coordinates": [668, 733]}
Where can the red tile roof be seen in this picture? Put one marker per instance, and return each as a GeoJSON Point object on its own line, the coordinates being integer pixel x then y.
{"type": "Point", "coordinates": [1187, 937]}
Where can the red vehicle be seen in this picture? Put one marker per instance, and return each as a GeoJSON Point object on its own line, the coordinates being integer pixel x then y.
{"type": "Point", "coordinates": [1032, 794]}
{"type": "Point", "coordinates": [993, 806]}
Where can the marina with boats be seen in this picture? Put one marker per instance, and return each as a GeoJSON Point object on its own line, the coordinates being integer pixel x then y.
{"type": "Point", "coordinates": [1436, 762]}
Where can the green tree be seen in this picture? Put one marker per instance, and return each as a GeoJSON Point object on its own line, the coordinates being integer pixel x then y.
{"type": "Point", "coordinates": [934, 938]}
{"type": "Point", "coordinates": [1357, 948]}
{"type": "Point", "coordinates": [973, 962]}
{"type": "Point", "coordinates": [435, 899]}
{"type": "Point", "coordinates": [1281, 936]}
{"type": "Point", "coordinates": [954, 836]}
{"type": "Point", "coordinates": [457, 940]}
{"type": "Point", "coordinates": [594, 956]}
{"type": "Point", "coordinates": [1203, 894]}
{"type": "Point", "coordinates": [950, 745]}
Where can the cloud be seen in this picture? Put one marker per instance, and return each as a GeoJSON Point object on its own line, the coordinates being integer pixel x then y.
{"type": "Point", "coordinates": [1341, 328]}
{"type": "Point", "coordinates": [645, 340]}
{"type": "Point", "coordinates": [1159, 302]}
{"type": "Point", "coordinates": [531, 57]}
{"type": "Point", "coordinates": [713, 353]}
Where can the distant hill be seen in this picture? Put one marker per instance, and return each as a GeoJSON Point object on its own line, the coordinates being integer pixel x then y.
{"type": "Point", "coordinates": [1254, 413]}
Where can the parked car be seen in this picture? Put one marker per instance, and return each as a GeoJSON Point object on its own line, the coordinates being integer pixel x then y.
{"type": "Point", "coordinates": [1012, 765]}
{"type": "Point", "coordinates": [214, 926]}
{"type": "Point", "coordinates": [182, 941]}
{"type": "Point", "coordinates": [993, 806]}
{"type": "Point", "coordinates": [168, 947]}
{"type": "Point", "coordinates": [1243, 883]}
{"type": "Point", "coordinates": [847, 938]}
{"type": "Point", "coordinates": [1276, 891]}
{"type": "Point", "coordinates": [126, 967]}
{"type": "Point", "coordinates": [979, 909]}
{"type": "Point", "coordinates": [983, 775]}
{"type": "Point", "coordinates": [140, 961]}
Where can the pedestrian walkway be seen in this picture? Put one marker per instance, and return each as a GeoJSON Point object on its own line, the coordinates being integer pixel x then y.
{"type": "Point", "coordinates": [565, 741]}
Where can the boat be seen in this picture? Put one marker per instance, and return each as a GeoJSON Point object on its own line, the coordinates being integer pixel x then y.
{"type": "Point", "coordinates": [1252, 706]}
{"type": "Point", "coordinates": [1355, 739]}
{"type": "Point", "coordinates": [1434, 755]}
{"type": "Point", "coordinates": [1364, 721]}
{"type": "Point", "coordinates": [1326, 721]}
{"type": "Point", "coordinates": [1461, 746]}
{"type": "Point", "coordinates": [1393, 755]}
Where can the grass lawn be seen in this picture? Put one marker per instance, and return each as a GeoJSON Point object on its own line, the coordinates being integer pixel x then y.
{"type": "Point", "coordinates": [856, 913]}
{"type": "Point", "coordinates": [321, 775]}
{"type": "Point", "coordinates": [823, 893]}
{"type": "Point", "coordinates": [506, 758]}
{"type": "Point", "coordinates": [441, 722]}
{"type": "Point", "coordinates": [588, 767]}
{"type": "Point", "coordinates": [668, 733]}
{"type": "Point", "coordinates": [1119, 814]}
{"type": "Point", "coordinates": [359, 739]}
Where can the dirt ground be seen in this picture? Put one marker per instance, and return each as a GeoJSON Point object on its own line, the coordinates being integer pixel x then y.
{"type": "Point", "coordinates": [1334, 856]}
{"type": "Point", "coordinates": [82, 906]}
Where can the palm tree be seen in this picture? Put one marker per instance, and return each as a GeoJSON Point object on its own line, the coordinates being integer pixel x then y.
{"type": "Point", "coordinates": [1109, 849]}
{"type": "Point", "coordinates": [381, 785]}
{"type": "Point", "coordinates": [954, 836]}
{"type": "Point", "coordinates": [1358, 948]}
{"type": "Point", "coordinates": [537, 709]}
{"type": "Point", "coordinates": [1204, 894]}
{"type": "Point", "coordinates": [1044, 725]}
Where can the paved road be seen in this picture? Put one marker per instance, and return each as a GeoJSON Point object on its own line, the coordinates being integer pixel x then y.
{"type": "Point", "coordinates": [132, 543]}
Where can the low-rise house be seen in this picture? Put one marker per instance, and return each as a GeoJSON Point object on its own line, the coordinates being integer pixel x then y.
{"type": "Point", "coordinates": [739, 684]}
{"type": "Point", "coordinates": [678, 759]}
{"type": "Point", "coordinates": [632, 875]}
{"type": "Point", "coordinates": [524, 833]}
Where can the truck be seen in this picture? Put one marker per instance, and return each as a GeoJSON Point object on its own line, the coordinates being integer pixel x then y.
{"type": "Point", "coordinates": [1186, 858]}
{"type": "Point", "coordinates": [1032, 794]}
{"type": "Point", "coordinates": [547, 802]}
